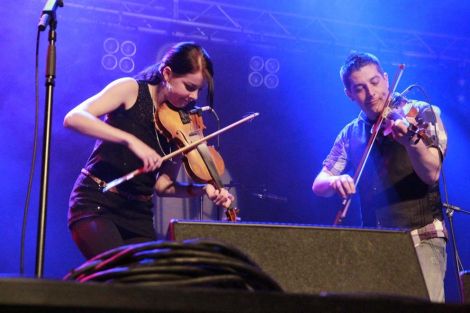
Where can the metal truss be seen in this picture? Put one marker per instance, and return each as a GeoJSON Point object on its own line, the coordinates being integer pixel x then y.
{"type": "Point", "coordinates": [215, 21]}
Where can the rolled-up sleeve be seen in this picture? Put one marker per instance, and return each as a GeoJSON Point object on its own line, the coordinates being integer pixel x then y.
{"type": "Point", "coordinates": [435, 130]}
{"type": "Point", "coordinates": [337, 160]}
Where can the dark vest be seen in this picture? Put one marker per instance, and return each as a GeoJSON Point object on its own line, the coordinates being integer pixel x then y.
{"type": "Point", "coordinates": [392, 194]}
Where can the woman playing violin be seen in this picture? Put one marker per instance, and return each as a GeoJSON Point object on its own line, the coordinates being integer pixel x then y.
{"type": "Point", "coordinates": [399, 186]}
{"type": "Point", "coordinates": [127, 139]}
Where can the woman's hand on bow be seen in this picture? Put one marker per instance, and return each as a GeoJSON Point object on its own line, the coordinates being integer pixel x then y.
{"type": "Point", "coordinates": [150, 158]}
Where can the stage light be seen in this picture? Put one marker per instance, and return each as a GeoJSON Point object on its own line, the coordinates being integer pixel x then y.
{"type": "Point", "coordinates": [111, 45]}
{"type": "Point", "coordinates": [271, 81]}
{"type": "Point", "coordinates": [272, 65]}
{"type": "Point", "coordinates": [255, 79]}
{"type": "Point", "coordinates": [126, 64]}
{"type": "Point", "coordinates": [128, 48]}
{"type": "Point", "coordinates": [264, 72]}
{"type": "Point", "coordinates": [109, 62]}
{"type": "Point", "coordinates": [118, 54]}
{"type": "Point", "coordinates": [256, 63]}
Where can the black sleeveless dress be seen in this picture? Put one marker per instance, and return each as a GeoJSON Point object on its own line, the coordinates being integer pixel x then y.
{"type": "Point", "coordinates": [109, 161]}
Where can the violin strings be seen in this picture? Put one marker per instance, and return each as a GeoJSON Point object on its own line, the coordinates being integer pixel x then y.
{"type": "Point", "coordinates": [157, 134]}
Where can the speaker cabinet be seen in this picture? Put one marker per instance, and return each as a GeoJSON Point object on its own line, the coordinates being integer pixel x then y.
{"type": "Point", "coordinates": [316, 260]}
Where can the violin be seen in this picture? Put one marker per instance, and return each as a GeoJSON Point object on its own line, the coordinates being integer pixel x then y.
{"type": "Point", "coordinates": [400, 109]}
{"type": "Point", "coordinates": [203, 163]}
{"type": "Point", "coordinates": [181, 150]}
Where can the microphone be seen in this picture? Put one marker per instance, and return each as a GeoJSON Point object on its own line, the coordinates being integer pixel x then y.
{"type": "Point", "coordinates": [451, 207]}
{"type": "Point", "coordinates": [197, 109]}
{"type": "Point", "coordinates": [49, 8]}
{"type": "Point", "coordinates": [399, 97]}
{"type": "Point", "coordinates": [407, 89]}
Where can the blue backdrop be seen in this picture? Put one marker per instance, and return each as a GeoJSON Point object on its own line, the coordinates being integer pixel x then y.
{"type": "Point", "coordinates": [278, 154]}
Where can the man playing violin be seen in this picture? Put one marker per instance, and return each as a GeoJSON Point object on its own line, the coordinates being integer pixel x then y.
{"type": "Point", "coordinates": [126, 140]}
{"type": "Point", "coordinates": [400, 187]}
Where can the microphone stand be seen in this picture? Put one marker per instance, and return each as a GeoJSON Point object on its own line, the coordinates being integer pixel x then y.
{"type": "Point", "coordinates": [48, 18]}
{"type": "Point", "coordinates": [450, 209]}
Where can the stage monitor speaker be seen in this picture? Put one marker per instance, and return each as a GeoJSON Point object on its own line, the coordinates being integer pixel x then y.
{"type": "Point", "coordinates": [316, 260]}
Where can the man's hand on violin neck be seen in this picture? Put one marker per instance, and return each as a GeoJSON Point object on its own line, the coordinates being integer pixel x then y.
{"type": "Point", "coordinates": [401, 132]}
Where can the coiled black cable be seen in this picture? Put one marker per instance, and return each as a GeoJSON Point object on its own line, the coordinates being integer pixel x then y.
{"type": "Point", "coordinates": [191, 263]}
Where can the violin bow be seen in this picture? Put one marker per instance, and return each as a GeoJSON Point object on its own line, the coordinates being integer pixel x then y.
{"type": "Point", "coordinates": [184, 149]}
{"type": "Point", "coordinates": [374, 131]}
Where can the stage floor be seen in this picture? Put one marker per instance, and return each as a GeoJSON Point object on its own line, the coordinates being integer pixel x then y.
{"type": "Point", "coordinates": [41, 295]}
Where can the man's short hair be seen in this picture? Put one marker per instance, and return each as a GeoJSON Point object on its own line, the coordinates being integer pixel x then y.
{"type": "Point", "coordinates": [354, 62]}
